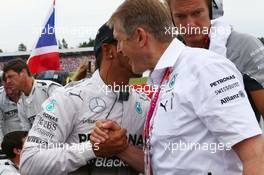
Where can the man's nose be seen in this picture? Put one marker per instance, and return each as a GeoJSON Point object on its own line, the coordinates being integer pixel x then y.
{"type": "Point", "coordinates": [8, 81]}
{"type": "Point", "coordinates": [119, 48]}
{"type": "Point", "coordinates": [190, 21]}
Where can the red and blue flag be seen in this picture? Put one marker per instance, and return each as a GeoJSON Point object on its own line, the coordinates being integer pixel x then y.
{"type": "Point", "coordinates": [45, 55]}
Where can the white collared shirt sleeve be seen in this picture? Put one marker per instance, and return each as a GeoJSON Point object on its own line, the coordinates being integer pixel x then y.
{"type": "Point", "coordinates": [221, 103]}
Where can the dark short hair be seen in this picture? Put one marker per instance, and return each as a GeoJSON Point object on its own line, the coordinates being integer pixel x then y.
{"type": "Point", "coordinates": [104, 36]}
{"type": "Point", "coordinates": [16, 65]}
{"type": "Point", "coordinates": [13, 140]}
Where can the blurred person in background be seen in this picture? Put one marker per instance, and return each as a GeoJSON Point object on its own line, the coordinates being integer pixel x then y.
{"type": "Point", "coordinates": [11, 146]}
{"type": "Point", "coordinates": [9, 120]}
{"type": "Point", "coordinates": [244, 50]}
{"type": "Point", "coordinates": [81, 71]}
{"type": "Point", "coordinates": [34, 92]}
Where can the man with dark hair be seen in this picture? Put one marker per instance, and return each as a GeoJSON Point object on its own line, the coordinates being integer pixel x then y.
{"type": "Point", "coordinates": [16, 65]}
{"type": "Point", "coordinates": [9, 120]}
{"type": "Point", "coordinates": [34, 92]}
{"type": "Point", "coordinates": [100, 40]}
{"type": "Point", "coordinates": [11, 146]}
{"type": "Point", "coordinates": [68, 117]}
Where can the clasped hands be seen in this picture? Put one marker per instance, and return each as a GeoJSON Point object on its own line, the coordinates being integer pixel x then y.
{"type": "Point", "coordinates": [108, 138]}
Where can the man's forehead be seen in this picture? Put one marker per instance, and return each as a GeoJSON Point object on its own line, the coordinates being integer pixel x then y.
{"type": "Point", "coordinates": [186, 6]}
{"type": "Point", "coordinates": [10, 72]}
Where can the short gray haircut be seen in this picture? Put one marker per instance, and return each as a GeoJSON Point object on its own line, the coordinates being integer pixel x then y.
{"type": "Point", "coordinates": [152, 15]}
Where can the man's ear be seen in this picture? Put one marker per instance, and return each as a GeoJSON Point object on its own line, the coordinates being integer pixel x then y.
{"type": "Point", "coordinates": [141, 36]}
{"type": "Point", "coordinates": [23, 72]}
{"type": "Point", "coordinates": [108, 51]}
{"type": "Point", "coordinates": [16, 151]}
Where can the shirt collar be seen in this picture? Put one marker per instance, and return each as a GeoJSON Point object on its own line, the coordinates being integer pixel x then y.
{"type": "Point", "coordinates": [29, 98]}
{"type": "Point", "coordinates": [171, 54]}
{"type": "Point", "coordinates": [104, 88]}
{"type": "Point", "coordinates": [167, 60]}
{"type": "Point", "coordinates": [97, 78]}
{"type": "Point", "coordinates": [7, 100]}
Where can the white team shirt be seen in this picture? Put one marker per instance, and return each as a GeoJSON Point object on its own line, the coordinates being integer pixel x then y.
{"type": "Point", "coordinates": [29, 106]}
{"type": "Point", "coordinates": [68, 117]}
{"type": "Point", "coordinates": [7, 167]}
{"type": "Point", "coordinates": [9, 120]}
{"type": "Point", "coordinates": [201, 113]}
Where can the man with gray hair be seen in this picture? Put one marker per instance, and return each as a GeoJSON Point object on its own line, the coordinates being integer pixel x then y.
{"type": "Point", "coordinates": [186, 109]}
